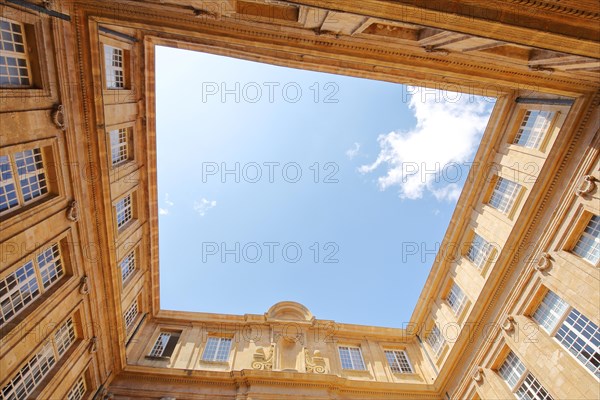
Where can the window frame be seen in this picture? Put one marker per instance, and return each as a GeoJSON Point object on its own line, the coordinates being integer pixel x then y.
{"type": "Point", "coordinates": [172, 334]}
{"type": "Point", "coordinates": [461, 296]}
{"type": "Point", "coordinates": [348, 348]}
{"type": "Point", "coordinates": [439, 351]}
{"type": "Point", "coordinates": [521, 378]}
{"type": "Point", "coordinates": [407, 359]}
{"type": "Point", "coordinates": [133, 193]}
{"type": "Point", "coordinates": [25, 55]}
{"type": "Point", "coordinates": [220, 340]}
{"type": "Point", "coordinates": [129, 127]}
{"type": "Point", "coordinates": [127, 48]}
{"type": "Point", "coordinates": [518, 193]}
{"type": "Point", "coordinates": [579, 233]}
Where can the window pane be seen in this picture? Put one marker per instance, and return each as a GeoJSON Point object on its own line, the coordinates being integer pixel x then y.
{"type": "Point", "coordinates": [32, 177]}
{"type": "Point", "coordinates": [504, 195]}
{"type": "Point", "coordinates": [127, 266]}
{"type": "Point", "coordinates": [113, 62]}
{"type": "Point", "coordinates": [159, 346]}
{"type": "Point", "coordinates": [130, 315]}
{"type": "Point", "coordinates": [217, 349]}
{"type": "Point", "coordinates": [17, 290]}
{"type": "Point", "coordinates": [581, 337]}
{"type": "Point", "coordinates": [351, 358]}
{"type": "Point", "coordinates": [588, 245]}
{"type": "Point", "coordinates": [398, 361]}
{"type": "Point", "coordinates": [8, 191]}
{"type": "Point", "coordinates": [533, 128]}
{"type": "Point", "coordinates": [512, 370]}
{"type": "Point", "coordinates": [550, 311]}
{"type": "Point", "coordinates": [78, 390]}
{"type": "Point", "coordinates": [64, 337]}
{"type": "Point", "coordinates": [124, 211]}
{"type": "Point", "coordinates": [479, 251]}
{"type": "Point", "coordinates": [435, 340]}
{"type": "Point", "coordinates": [50, 265]}
{"type": "Point", "coordinates": [119, 146]}
{"type": "Point", "coordinates": [456, 299]}
{"type": "Point", "coordinates": [13, 57]}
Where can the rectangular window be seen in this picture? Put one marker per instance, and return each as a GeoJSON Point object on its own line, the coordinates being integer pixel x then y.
{"type": "Point", "coordinates": [534, 126]}
{"type": "Point", "coordinates": [131, 315]}
{"type": "Point", "coordinates": [78, 390]}
{"type": "Point", "coordinates": [516, 376]}
{"type": "Point", "coordinates": [217, 349]}
{"type": "Point", "coordinates": [64, 337]}
{"type": "Point", "coordinates": [435, 340]}
{"type": "Point", "coordinates": [398, 361]}
{"type": "Point", "coordinates": [27, 379]}
{"type": "Point", "coordinates": [22, 286]}
{"type": "Point", "coordinates": [127, 266]}
{"type": "Point", "coordinates": [588, 245]}
{"type": "Point", "coordinates": [119, 145]}
{"type": "Point", "coordinates": [479, 251]}
{"type": "Point", "coordinates": [165, 344]}
{"type": "Point", "coordinates": [14, 62]}
{"type": "Point", "coordinates": [576, 333]}
{"type": "Point", "coordinates": [124, 211]}
{"type": "Point", "coordinates": [351, 358]}
{"type": "Point", "coordinates": [114, 64]}
{"type": "Point", "coordinates": [23, 179]}
{"type": "Point", "coordinates": [504, 195]}
{"type": "Point", "coordinates": [456, 299]}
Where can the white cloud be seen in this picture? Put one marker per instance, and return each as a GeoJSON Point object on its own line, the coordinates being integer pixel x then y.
{"type": "Point", "coordinates": [353, 151]}
{"type": "Point", "coordinates": [202, 206]}
{"type": "Point", "coordinates": [163, 211]}
{"type": "Point", "coordinates": [168, 204]}
{"type": "Point", "coordinates": [432, 155]}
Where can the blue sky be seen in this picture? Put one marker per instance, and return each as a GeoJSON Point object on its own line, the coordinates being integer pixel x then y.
{"type": "Point", "coordinates": [280, 184]}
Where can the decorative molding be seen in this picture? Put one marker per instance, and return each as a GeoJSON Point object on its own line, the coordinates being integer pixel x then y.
{"type": "Point", "coordinates": [262, 360]}
{"type": "Point", "coordinates": [478, 375]}
{"type": "Point", "coordinates": [314, 363]}
{"type": "Point", "coordinates": [544, 262]}
{"type": "Point", "coordinates": [509, 324]}
{"type": "Point", "coordinates": [84, 287]}
{"type": "Point", "coordinates": [73, 211]}
{"type": "Point", "coordinates": [587, 185]}
{"type": "Point", "coordinates": [58, 117]}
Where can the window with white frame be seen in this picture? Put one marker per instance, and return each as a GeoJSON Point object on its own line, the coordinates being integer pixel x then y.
{"type": "Point", "coordinates": [165, 344]}
{"type": "Point", "coordinates": [28, 378]}
{"type": "Point", "coordinates": [523, 384]}
{"type": "Point", "coordinates": [119, 145]}
{"type": "Point", "coordinates": [398, 361]}
{"type": "Point", "coordinates": [78, 390]}
{"type": "Point", "coordinates": [23, 179]}
{"type": "Point", "coordinates": [479, 251]}
{"type": "Point", "coordinates": [127, 266]}
{"type": "Point", "coordinates": [504, 195]}
{"type": "Point", "coordinates": [64, 337]}
{"type": "Point", "coordinates": [14, 62]}
{"type": "Point", "coordinates": [217, 349]}
{"type": "Point", "coordinates": [131, 315]}
{"type": "Point", "coordinates": [21, 287]}
{"type": "Point", "coordinates": [124, 209]}
{"type": "Point", "coordinates": [588, 244]}
{"type": "Point", "coordinates": [351, 358]}
{"type": "Point", "coordinates": [456, 299]}
{"type": "Point", "coordinates": [114, 66]}
{"type": "Point", "coordinates": [573, 330]}
{"type": "Point", "coordinates": [436, 340]}
{"type": "Point", "coordinates": [533, 128]}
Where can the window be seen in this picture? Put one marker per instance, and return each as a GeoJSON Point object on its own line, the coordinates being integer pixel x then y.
{"type": "Point", "coordinates": [26, 380]}
{"type": "Point", "coordinates": [479, 251]}
{"type": "Point", "coordinates": [124, 211]}
{"type": "Point", "coordinates": [351, 358]}
{"type": "Point", "coordinates": [573, 330]}
{"type": "Point", "coordinates": [516, 376]}
{"type": "Point", "coordinates": [23, 179]}
{"type": "Point", "coordinates": [119, 145]}
{"type": "Point", "coordinates": [588, 245]}
{"type": "Point", "coordinates": [435, 340]}
{"type": "Point", "coordinates": [78, 390]}
{"type": "Point", "coordinates": [127, 266]}
{"type": "Point", "coordinates": [64, 337]}
{"type": "Point", "coordinates": [14, 63]}
{"type": "Point", "coordinates": [398, 361]}
{"type": "Point", "coordinates": [504, 195]}
{"type": "Point", "coordinates": [165, 344]}
{"type": "Point", "coordinates": [130, 315]}
{"type": "Point", "coordinates": [22, 286]}
{"type": "Point", "coordinates": [456, 299]}
{"type": "Point", "coordinates": [217, 349]}
{"type": "Point", "coordinates": [534, 126]}
{"type": "Point", "coordinates": [114, 62]}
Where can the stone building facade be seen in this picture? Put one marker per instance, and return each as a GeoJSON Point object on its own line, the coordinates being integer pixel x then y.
{"type": "Point", "coordinates": [510, 308]}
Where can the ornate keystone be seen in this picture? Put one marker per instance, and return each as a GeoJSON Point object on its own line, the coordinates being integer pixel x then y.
{"type": "Point", "coordinates": [544, 262]}
{"type": "Point", "coordinates": [93, 345]}
{"type": "Point", "coordinates": [478, 375]}
{"type": "Point", "coordinates": [58, 117]}
{"type": "Point", "coordinates": [509, 324]}
{"type": "Point", "coordinates": [84, 287]}
{"type": "Point", "coordinates": [314, 363]}
{"type": "Point", "coordinates": [73, 211]}
{"type": "Point", "coordinates": [262, 360]}
{"type": "Point", "coordinates": [587, 185]}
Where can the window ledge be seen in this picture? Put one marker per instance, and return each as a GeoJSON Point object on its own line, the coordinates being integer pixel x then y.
{"type": "Point", "coordinates": [158, 358]}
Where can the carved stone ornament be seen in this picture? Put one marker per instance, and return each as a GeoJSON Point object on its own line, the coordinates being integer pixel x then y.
{"type": "Point", "coordinates": [73, 211]}
{"type": "Point", "coordinates": [93, 345]}
{"type": "Point", "coordinates": [314, 363]}
{"type": "Point", "coordinates": [544, 262]}
{"type": "Point", "coordinates": [58, 117]}
{"type": "Point", "coordinates": [106, 395]}
{"type": "Point", "coordinates": [262, 360]}
{"type": "Point", "coordinates": [587, 186]}
{"type": "Point", "coordinates": [478, 375]}
{"type": "Point", "coordinates": [84, 287]}
{"type": "Point", "coordinates": [509, 324]}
